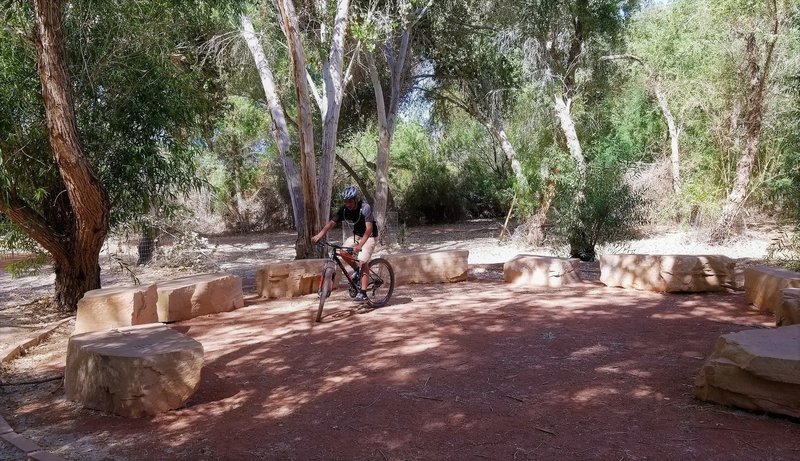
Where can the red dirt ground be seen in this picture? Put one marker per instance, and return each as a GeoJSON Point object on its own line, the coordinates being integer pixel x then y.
{"type": "Point", "coordinates": [472, 370]}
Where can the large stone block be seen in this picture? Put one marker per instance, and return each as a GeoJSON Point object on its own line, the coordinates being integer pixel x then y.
{"type": "Point", "coordinates": [189, 297]}
{"type": "Point", "coordinates": [116, 307]}
{"type": "Point", "coordinates": [133, 371]}
{"type": "Point", "coordinates": [755, 370]}
{"type": "Point", "coordinates": [763, 286]}
{"type": "Point", "coordinates": [788, 312]}
{"type": "Point", "coordinates": [429, 267]}
{"type": "Point", "coordinates": [668, 273]}
{"type": "Point", "coordinates": [288, 279]}
{"type": "Point", "coordinates": [541, 271]}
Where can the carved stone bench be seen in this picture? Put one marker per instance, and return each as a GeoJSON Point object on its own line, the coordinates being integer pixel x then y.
{"type": "Point", "coordinates": [541, 271]}
{"type": "Point", "coordinates": [429, 267]}
{"type": "Point", "coordinates": [132, 371]}
{"type": "Point", "coordinates": [288, 279]}
{"type": "Point", "coordinates": [763, 286]}
{"type": "Point", "coordinates": [189, 297]}
{"type": "Point", "coordinates": [756, 370]}
{"type": "Point", "coordinates": [788, 312]}
{"type": "Point", "coordinates": [668, 273]}
{"type": "Point", "coordinates": [116, 307]}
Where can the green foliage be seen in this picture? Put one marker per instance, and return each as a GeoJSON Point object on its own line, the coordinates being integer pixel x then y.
{"type": "Point", "coordinates": [606, 209]}
{"type": "Point", "coordinates": [433, 197]}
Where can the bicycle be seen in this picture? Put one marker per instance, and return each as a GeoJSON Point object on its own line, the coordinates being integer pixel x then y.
{"type": "Point", "coordinates": [381, 276]}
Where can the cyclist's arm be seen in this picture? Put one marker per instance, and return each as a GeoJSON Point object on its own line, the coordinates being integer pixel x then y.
{"type": "Point", "coordinates": [324, 231]}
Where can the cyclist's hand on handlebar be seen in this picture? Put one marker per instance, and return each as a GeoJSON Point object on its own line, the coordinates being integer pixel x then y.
{"type": "Point", "coordinates": [316, 238]}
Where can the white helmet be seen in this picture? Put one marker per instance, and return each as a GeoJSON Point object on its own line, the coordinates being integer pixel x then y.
{"type": "Point", "coordinates": [349, 192]}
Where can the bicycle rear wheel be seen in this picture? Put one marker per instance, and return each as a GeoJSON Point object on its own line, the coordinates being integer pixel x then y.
{"type": "Point", "coordinates": [381, 282]}
{"type": "Point", "coordinates": [325, 287]}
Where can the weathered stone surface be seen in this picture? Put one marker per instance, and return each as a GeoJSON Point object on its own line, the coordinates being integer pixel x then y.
{"type": "Point", "coordinates": [788, 312]}
{"type": "Point", "coordinates": [668, 273]}
{"type": "Point", "coordinates": [541, 271]}
{"type": "Point", "coordinates": [116, 307]}
{"type": "Point", "coordinates": [429, 267]}
{"type": "Point", "coordinates": [189, 297]}
{"type": "Point", "coordinates": [755, 370]}
{"type": "Point", "coordinates": [133, 371]}
{"type": "Point", "coordinates": [288, 279]}
{"type": "Point", "coordinates": [763, 286]}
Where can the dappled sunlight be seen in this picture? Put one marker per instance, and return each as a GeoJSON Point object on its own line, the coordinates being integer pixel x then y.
{"type": "Point", "coordinates": [595, 393]}
{"type": "Point", "coordinates": [591, 350]}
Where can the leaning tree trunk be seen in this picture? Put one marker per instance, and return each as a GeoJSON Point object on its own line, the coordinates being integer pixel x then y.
{"type": "Point", "coordinates": [674, 135]}
{"type": "Point", "coordinates": [280, 130]}
{"type": "Point", "coordinates": [753, 123]}
{"type": "Point", "coordinates": [76, 252]}
{"type": "Point", "coordinates": [563, 107]}
{"type": "Point", "coordinates": [304, 247]}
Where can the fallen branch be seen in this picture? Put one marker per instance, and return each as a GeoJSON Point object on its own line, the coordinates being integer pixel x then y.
{"type": "Point", "coordinates": [547, 431]}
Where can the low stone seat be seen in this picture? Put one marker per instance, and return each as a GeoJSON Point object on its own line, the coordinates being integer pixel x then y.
{"type": "Point", "coordinates": [788, 312]}
{"type": "Point", "coordinates": [189, 297]}
{"type": "Point", "coordinates": [756, 370]}
{"type": "Point", "coordinates": [116, 307]}
{"type": "Point", "coordinates": [133, 371]}
{"type": "Point", "coordinates": [541, 271]}
{"type": "Point", "coordinates": [763, 286]}
{"type": "Point", "coordinates": [288, 279]}
{"type": "Point", "coordinates": [668, 273]}
{"type": "Point", "coordinates": [429, 267]}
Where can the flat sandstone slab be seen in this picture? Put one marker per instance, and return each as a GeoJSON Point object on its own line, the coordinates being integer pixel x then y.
{"type": "Point", "coordinates": [442, 266]}
{"type": "Point", "coordinates": [541, 271]}
{"type": "Point", "coordinates": [788, 312]}
{"type": "Point", "coordinates": [763, 286]}
{"type": "Point", "coordinates": [189, 297]}
{"type": "Point", "coordinates": [133, 371]}
{"type": "Point", "coordinates": [115, 307]}
{"type": "Point", "coordinates": [756, 370]}
{"type": "Point", "coordinates": [668, 273]}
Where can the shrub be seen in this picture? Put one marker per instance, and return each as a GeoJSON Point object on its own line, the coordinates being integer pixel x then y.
{"type": "Point", "coordinates": [434, 196]}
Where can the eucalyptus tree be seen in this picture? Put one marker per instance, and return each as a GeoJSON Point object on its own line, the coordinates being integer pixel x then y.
{"type": "Point", "coordinates": [757, 26]}
{"type": "Point", "coordinates": [100, 100]}
{"type": "Point", "coordinates": [386, 33]}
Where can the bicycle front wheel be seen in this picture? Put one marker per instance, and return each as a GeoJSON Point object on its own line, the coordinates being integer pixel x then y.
{"type": "Point", "coordinates": [381, 282]}
{"type": "Point", "coordinates": [325, 287]}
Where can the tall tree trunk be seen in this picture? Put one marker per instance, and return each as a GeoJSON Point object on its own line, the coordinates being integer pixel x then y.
{"type": "Point", "coordinates": [757, 80]}
{"type": "Point", "coordinates": [563, 106]}
{"type": "Point", "coordinates": [333, 78]}
{"type": "Point", "coordinates": [306, 128]}
{"type": "Point", "coordinates": [280, 131]}
{"type": "Point", "coordinates": [384, 146]}
{"type": "Point", "coordinates": [76, 252]}
{"type": "Point", "coordinates": [674, 135]}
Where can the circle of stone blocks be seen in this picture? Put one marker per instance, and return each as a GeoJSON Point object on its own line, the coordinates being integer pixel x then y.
{"type": "Point", "coordinates": [668, 273]}
{"type": "Point", "coordinates": [133, 371]}
{"type": "Point", "coordinates": [442, 266]}
{"type": "Point", "coordinates": [763, 286]}
{"type": "Point", "coordinates": [788, 312]}
{"type": "Point", "coordinates": [754, 370]}
{"type": "Point", "coordinates": [189, 297]}
{"type": "Point", "coordinates": [288, 279]}
{"type": "Point", "coordinates": [116, 307]}
{"type": "Point", "coordinates": [541, 271]}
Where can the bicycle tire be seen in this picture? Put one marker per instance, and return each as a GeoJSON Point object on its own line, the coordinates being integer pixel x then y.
{"type": "Point", "coordinates": [381, 274]}
{"type": "Point", "coordinates": [326, 286]}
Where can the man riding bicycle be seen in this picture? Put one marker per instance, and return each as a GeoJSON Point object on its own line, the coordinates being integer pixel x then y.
{"type": "Point", "coordinates": [358, 214]}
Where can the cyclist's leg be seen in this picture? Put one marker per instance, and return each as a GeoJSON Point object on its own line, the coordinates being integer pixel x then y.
{"type": "Point", "coordinates": [363, 259]}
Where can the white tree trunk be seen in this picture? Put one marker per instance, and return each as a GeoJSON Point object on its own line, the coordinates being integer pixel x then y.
{"type": "Point", "coordinates": [280, 131]}
{"type": "Point", "coordinates": [498, 132]}
{"type": "Point", "coordinates": [384, 145]}
{"type": "Point", "coordinates": [562, 107]}
{"type": "Point", "coordinates": [674, 135]}
{"type": "Point", "coordinates": [333, 78]}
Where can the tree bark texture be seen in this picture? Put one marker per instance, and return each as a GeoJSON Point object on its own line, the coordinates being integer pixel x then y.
{"type": "Point", "coordinates": [563, 107]}
{"type": "Point", "coordinates": [333, 78]}
{"type": "Point", "coordinates": [754, 117]}
{"type": "Point", "coordinates": [280, 130]}
{"type": "Point", "coordinates": [304, 247]}
{"type": "Point", "coordinates": [674, 135]}
{"type": "Point", "coordinates": [85, 216]}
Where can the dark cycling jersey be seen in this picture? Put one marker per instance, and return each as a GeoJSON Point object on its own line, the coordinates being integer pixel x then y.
{"type": "Point", "coordinates": [358, 217]}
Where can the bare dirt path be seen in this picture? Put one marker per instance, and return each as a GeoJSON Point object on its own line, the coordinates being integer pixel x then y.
{"type": "Point", "coordinates": [473, 370]}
